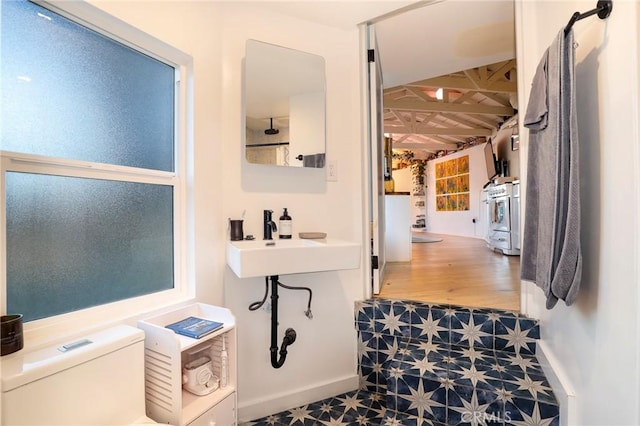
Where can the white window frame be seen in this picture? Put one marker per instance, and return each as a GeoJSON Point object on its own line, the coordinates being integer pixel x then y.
{"type": "Point", "coordinates": [184, 287]}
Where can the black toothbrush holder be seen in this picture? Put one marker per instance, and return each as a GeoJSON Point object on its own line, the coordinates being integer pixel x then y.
{"type": "Point", "coordinates": [237, 234]}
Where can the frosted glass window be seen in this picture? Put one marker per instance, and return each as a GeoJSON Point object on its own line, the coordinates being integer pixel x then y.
{"type": "Point", "coordinates": [74, 243]}
{"type": "Point", "coordinates": [70, 92]}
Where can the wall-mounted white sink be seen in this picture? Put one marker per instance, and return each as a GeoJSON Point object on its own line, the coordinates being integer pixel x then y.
{"type": "Point", "coordinates": [260, 258]}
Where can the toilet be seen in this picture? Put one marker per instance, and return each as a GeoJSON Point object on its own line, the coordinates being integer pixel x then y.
{"type": "Point", "coordinates": [97, 379]}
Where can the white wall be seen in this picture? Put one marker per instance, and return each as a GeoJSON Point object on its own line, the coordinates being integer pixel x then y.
{"type": "Point", "coordinates": [322, 361]}
{"type": "Point", "coordinates": [596, 340]}
{"type": "Point", "coordinates": [459, 222]}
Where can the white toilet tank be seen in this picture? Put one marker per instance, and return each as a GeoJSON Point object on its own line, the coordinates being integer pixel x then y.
{"type": "Point", "coordinates": [97, 379]}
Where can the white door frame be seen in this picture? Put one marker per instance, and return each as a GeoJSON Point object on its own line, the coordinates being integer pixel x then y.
{"type": "Point", "coordinates": [374, 195]}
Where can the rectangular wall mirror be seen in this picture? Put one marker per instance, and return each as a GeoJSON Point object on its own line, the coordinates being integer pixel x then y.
{"type": "Point", "coordinates": [284, 106]}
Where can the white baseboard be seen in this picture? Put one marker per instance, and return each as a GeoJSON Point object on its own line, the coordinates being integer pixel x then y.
{"type": "Point", "coordinates": [560, 384]}
{"type": "Point", "coordinates": [272, 404]}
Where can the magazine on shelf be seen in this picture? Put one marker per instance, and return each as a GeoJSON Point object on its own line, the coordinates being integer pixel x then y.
{"type": "Point", "coordinates": [195, 327]}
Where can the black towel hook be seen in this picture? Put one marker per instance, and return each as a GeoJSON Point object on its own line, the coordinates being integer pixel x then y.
{"type": "Point", "coordinates": [603, 9]}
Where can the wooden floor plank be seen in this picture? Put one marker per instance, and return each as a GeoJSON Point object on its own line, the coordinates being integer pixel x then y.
{"type": "Point", "coordinates": [456, 270]}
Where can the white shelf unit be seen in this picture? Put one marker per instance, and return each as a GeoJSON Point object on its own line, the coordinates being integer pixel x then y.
{"type": "Point", "coordinates": [165, 354]}
{"type": "Point", "coordinates": [418, 211]}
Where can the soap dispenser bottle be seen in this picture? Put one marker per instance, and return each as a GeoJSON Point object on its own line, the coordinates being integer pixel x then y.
{"type": "Point", "coordinates": [285, 225]}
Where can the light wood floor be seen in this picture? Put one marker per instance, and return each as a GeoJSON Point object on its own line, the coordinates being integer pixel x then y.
{"type": "Point", "coordinates": [456, 270]}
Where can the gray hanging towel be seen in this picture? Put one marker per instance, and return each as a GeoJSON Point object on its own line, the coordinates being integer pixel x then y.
{"type": "Point", "coordinates": [551, 254]}
{"type": "Point", "coordinates": [313, 160]}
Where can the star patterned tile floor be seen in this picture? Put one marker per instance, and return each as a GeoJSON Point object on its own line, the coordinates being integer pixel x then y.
{"type": "Point", "coordinates": [423, 364]}
{"type": "Point", "coordinates": [350, 409]}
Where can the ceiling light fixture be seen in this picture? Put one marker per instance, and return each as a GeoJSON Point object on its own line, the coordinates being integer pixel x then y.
{"type": "Point", "coordinates": [439, 94]}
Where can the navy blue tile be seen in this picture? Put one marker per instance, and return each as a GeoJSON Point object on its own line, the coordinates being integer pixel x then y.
{"type": "Point", "coordinates": [322, 410]}
{"type": "Point", "coordinates": [378, 402]}
{"type": "Point", "coordinates": [470, 355]}
{"type": "Point", "coordinates": [508, 314]}
{"type": "Point", "coordinates": [440, 306]}
{"type": "Point", "coordinates": [431, 324]}
{"type": "Point", "coordinates": [422, 397]}
{"type": "Point", "coordinates": [421, 305]}
{"type": "Point", "coordinates": [433, 370]}
{"type": "Point", "coordinates": [485, 311]}
{"type": "Point", "coordinates": [372, 417]}
{"type": "Point", "coordinates": [272, 420]}
{"type": "Point", "coordinates": [298, 416]}
{"type": "Point", "coordinates": [526, 411]}
{"type": "Point", "coordinates": [365, 326]}
{"type": "Point", "coordinates": [388, 347]}
{"type": "Point", "coordinates": [368, 378]}
{"type": "Point", "coordinates": [466, 404]}
{"type": "Point", "coordinates": [520, 364]}
{"type": "Point", "coordinates": [458, 309]}
{"type": "Point", "coordinates": [494, 414]}
{"type": "Point", "coordinates": [411, 373]}
{"type": "Point", "coordinates": [470, 329]}
{"type": "Point", "coordinates": [391, 400]}
{"type": "Point", "coordinates": [529, 387]}
{"type": "Point", "coordinates": [380, 308]}
{"type": "Point", "coordinates": [391, 318]}
{"type": "Point", "coordinates": [399, 419]}
{"type": "Point", "coordinates": [398, 322]}
{"type": "Point", "coordinates": [407, 306]}
{"type": "Point", "coordinates": [475, 376]}
{"type": "Point", "coordinates": [367, 346]}
{"type": "Point", "coordinates": [420, 349]}
{"type": "Point", "coordinates": [364, 311]}
{"type": "Point", "coordinates": [349, 405]}
{"type": "Point", "coordinates": [516, 335]}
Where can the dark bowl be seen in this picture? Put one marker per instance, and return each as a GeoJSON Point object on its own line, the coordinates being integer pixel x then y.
{"type": "Point", "coordinates": [11, 334]}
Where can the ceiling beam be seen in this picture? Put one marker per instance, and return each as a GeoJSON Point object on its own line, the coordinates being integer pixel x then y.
{"type": "Point", "coordinates": [497, 99]}
{"type": "Point", "coordinates": [418, 145]}
{"type": "Point", "coordinates": [500, 72]}
{"type": "Point", "coordinates": [420, 94]}
{"type": "Point", "coordinates": [418, 105]}
{"type": "Point", "coordinates": [482, 120]}
{"type": "Point", "coordinates": [458, 131]}
{"type": "Point", "coordinates": [436, 139]}
{"type": "Point", "coordinates": [463, 121]}
{"type": "Point", "coordinates": [443, 141]}
{"type": "Point", "coordinates": [464, 98]}
{"type": "Point", "coordinates": [402, 138]}
{"type": "Point", "coordinates": [465, 83]}
{"type": "Point", "coordinates": [475, 79]}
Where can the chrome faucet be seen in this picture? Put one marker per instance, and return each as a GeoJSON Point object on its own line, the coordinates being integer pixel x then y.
{"type": "Point", "coordinates": [269, 225]}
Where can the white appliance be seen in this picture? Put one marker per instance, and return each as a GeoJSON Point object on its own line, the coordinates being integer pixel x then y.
{"type": "Point", "coordinates": [504, 218]}
{"type": "Point", "coordinates": [397, 228]}
{"type": "Point", "coordinates": [198, 377]}
{"type": "Point", "coordinates": [96, 379]}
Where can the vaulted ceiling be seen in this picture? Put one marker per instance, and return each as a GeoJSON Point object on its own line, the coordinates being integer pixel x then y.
{"type": "Point", "coordinates": [474, 104]}
{"type": "Point", "coordinates": [465, 47]}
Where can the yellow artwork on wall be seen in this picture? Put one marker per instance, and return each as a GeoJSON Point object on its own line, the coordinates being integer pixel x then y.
{"type": "Point", "coordinates": [463, 165]}
{"type": "Point", "coordinates": [452, 184]}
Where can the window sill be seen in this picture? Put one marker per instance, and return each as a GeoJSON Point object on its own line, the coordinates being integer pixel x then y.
{"type": "Point", "coordinates": [52, 330]}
